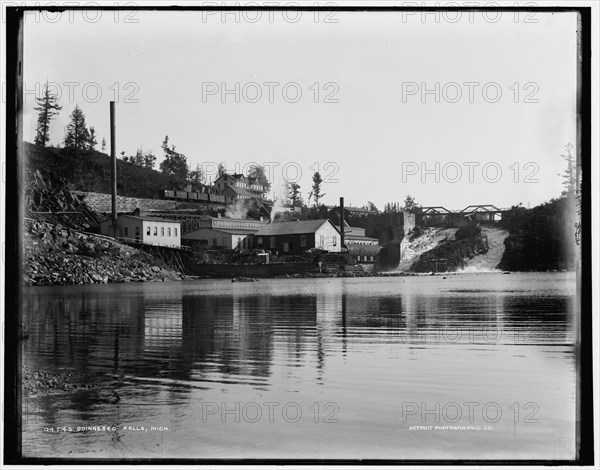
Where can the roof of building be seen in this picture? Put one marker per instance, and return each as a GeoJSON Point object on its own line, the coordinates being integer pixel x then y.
{"type": "Point", "coordinates": [209, 217]}
{"type": "Point", "coordinates": [236, 176]}
{"type": "Point", "coordinates": [359, 237]}
{"type": "Point", "coordinates": [292, 228]}
{"type": "Point", "coordinates": [238, 190]}
{"type": "Point", "coordinates": [147, 218]}
{"type": "Point", "coordinates": [229, 231]}
{"type": "Point", "coordinates": [235, 231]}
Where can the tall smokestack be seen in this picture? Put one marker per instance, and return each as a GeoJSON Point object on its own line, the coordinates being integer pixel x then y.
{"type": "Point", "coordinates": [342, 222]}
{"type": "Point", "coordinates": [113, 156]}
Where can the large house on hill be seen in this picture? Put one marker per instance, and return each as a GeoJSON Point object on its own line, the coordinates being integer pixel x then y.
{"type": "Point", "coordinates": [237, 186]}
{"type": "Point", "coordinates": [237, 193]}
{"type": "Point", "coordinates": [298, 236]}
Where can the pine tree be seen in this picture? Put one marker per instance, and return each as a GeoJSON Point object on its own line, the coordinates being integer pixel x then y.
{"type": "Point", "coordinates": [48, 107]}
{"type": "Point", "coordinates": [197, 176]}
{"type": "Point", "coordinates": [138, 160]}
{"type": "Point", "coordinates": [92, 142]}
{"type": "Point", "coordinates": [78, 136]}
{"type": "Point", "coordinates": [569, 175]}
{"type": "Point", "coordinates": [316, 188]}
{"type": "Point", "coordinates": [410, 204]}
{"type": "Point", "coordinates": [294, 193]}
{"type": "Point", "coordinates": [221, 170]}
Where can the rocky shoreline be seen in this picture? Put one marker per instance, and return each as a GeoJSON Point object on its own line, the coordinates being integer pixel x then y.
{"type": "Point", "coordinates": [344, 274]}
{"type": "Point", "coordinates": [35, 382]}
{"type": "Point", "coordinates": [57, 255]}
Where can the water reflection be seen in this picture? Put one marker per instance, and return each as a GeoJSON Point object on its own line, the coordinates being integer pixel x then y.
{"type": "Point", "coordinates": [183, 335]}
{"type": "Point", "coordinates": [160, 349]}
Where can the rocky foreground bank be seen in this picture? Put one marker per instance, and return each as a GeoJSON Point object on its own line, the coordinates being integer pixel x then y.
{"type": "Point", "coordinates": [57, 255]}
{"type": "Point", "coordinates": [37, 382]}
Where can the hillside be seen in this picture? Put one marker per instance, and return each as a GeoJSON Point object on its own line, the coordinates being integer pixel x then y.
{"type": "Point", "coordinates": [91, 171]}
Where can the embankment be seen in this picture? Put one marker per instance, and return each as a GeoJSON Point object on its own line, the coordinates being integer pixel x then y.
{"type": "Point", "coordinates": [489, 261]}
{"type": "Point", "coordinates": [452, 255]}
{"type": "Point", "coordinates": [57, 255]}
{"type": "Point", "coordinates": [101, 203]}
{"type": "Point", "coordinates": [467, 249]}
{"type": "Point", "coordinates": [422, 241]}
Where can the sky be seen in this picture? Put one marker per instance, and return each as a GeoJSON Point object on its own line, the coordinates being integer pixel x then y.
{"type": "Point", "coordinates": [451, 110]}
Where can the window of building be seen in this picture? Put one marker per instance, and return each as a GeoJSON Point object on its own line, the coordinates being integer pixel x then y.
{"type": "Point", "coordinates": [286, 247]}
{"type": "Point", "coordinates": [126, 231]}
{"type": "Point", "coordinates": [175, 231]}
{"type": "Point", "coordinates": [259, 241]}
{"type": "Point", "coordinates": [169, 232]}
{"type": "Point", "coordinates": [137, 231]}
{"type": "Point", "coordinates": [155, 231]}
{"type": "Point", "coordinates": [322, 241]}
{"type": "Point", "coordinates": [334, 240]}
{"type": "Point", "coordinates": [162, 231]}
{"type": "Point", "coordinates": [272, 241]}
{"type": "Point", "coordinates": [214, 242]}
{"type": "Point", "coordinates": [303, 241]}
{"type": "Point", "coordinates": [148, 230]}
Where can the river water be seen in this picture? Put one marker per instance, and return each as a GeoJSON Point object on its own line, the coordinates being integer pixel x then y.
{"type": "Point", "coordinates": [469, 366]}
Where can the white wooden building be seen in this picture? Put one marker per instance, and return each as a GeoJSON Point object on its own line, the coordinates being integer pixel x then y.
{"type": "Point", "coordinates": [144, 229]}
